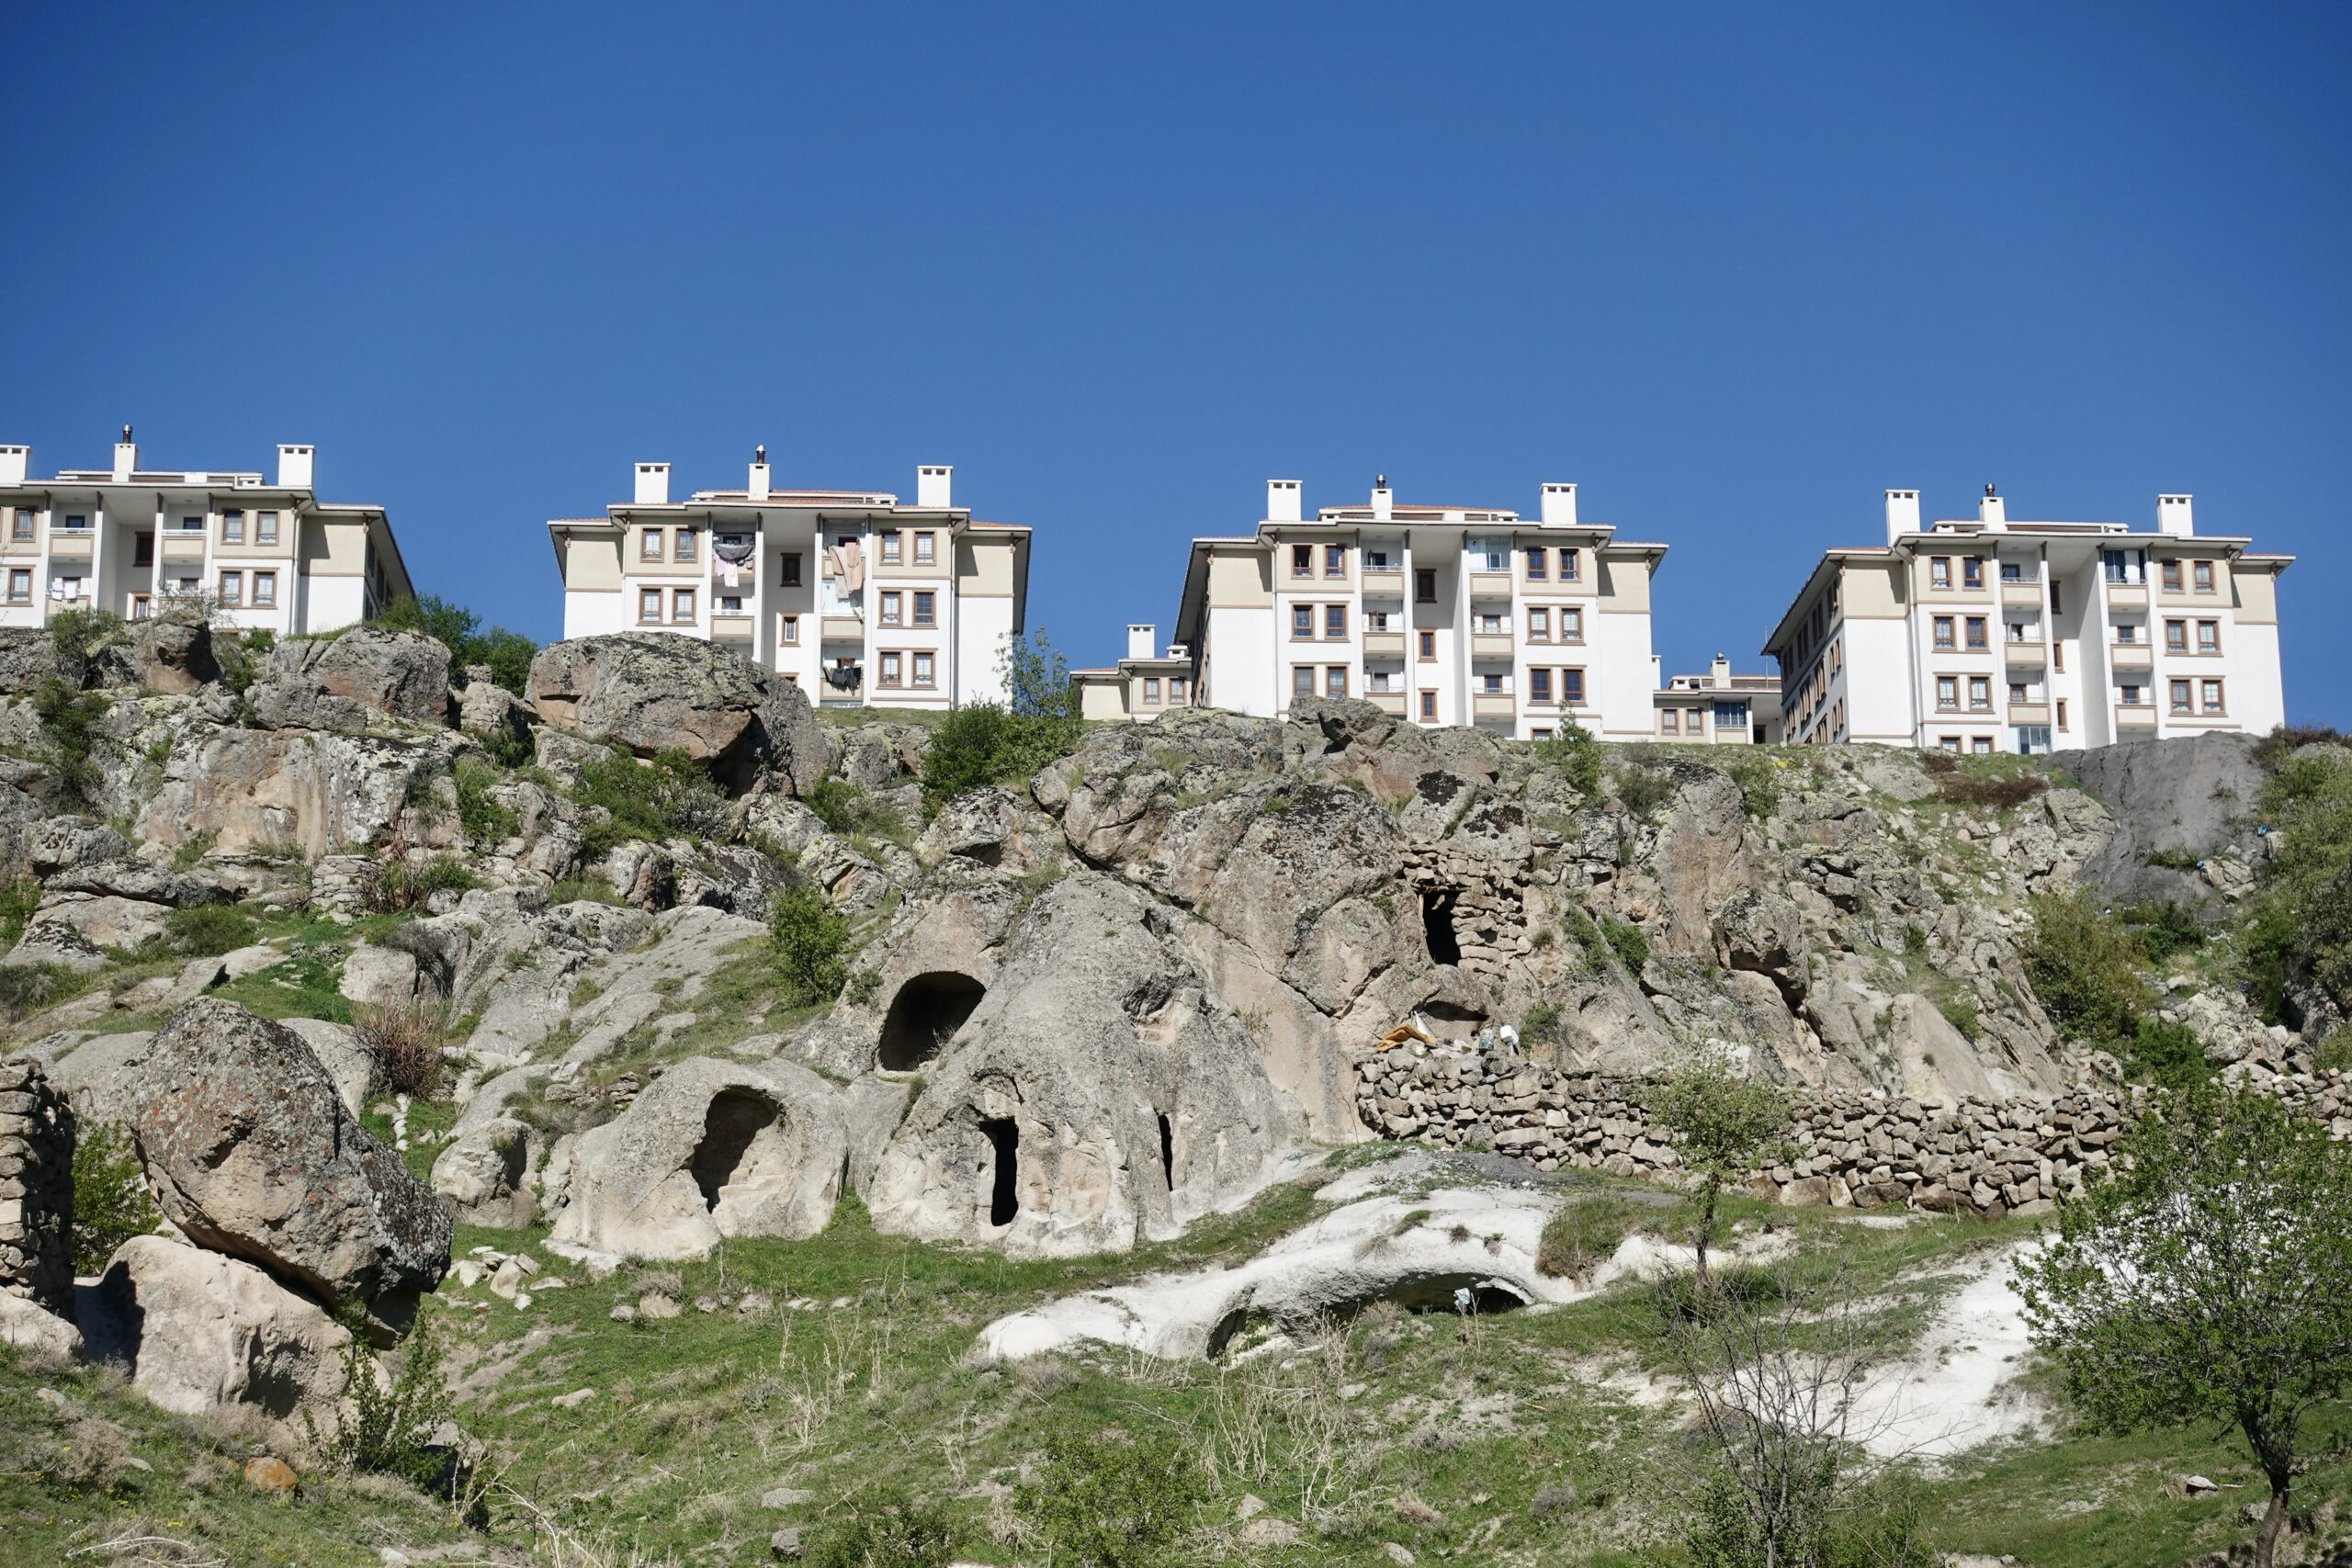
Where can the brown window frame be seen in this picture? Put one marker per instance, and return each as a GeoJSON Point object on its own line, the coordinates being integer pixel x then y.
{"type": "Point", "coordinates": [926, 547]}
{"type": "Point", "coordinates": [1426, 649]}
{"type": "Point", "coordinates": [20, 529]}
{"type": "Point", "coordinates": [1571, 564]}
{"type": "Point", "coordinates": [649, 607]}
{"type": "Point", "coordinates": [232, 588]}
{"type": "Point", "coordinates": [1572, 686]}
{"type": "Point", "coordinates": [233, 526]}
{"type": "Point", "coordinates": [683, 547]}
{"type": "Point", "coordinates": [2062, 715]}
{"type": "Point", "coordinates": [2212, 697]}
{"type": "Point", "coordinates": [1539, 564]}
{"type": "Point", "coordinates": [1947, 684]}
{"type": "Point", "coordinates": [2201, 574]}
{"type": "Point", "coordinates": [1335, 623]}
{"type": "Point", "coordinates": [1302, 561]}
{"type": "Point", "coordinates": [1335, 680]}
{"type": "Point", "coordinates": [2177, 694]}
{"type": "Point", "coordinates": [648, 544]}
{"type": "Point", "coordinates": [889, 612]}
{"type": "Point", "coordinates": [1669, 721]}
{"type": "Point", "coordinates": [1302, 680]}
{"type": "Point", "coordinates": [2176, 636]}
{"type": "Point", "coordinates": [2206, 645]}
{"type": "Point", "coordinates": [788, 575]}
{"type": "Point", "coordinates": [1983, 683]}
{"type": "Point", "coordinates": [1538, 685]}
{"type": "Point", "coordinates": [1939, 572]}
{"type": "Point", "coordinates": [924, 608]}
{"type": "Point", "coordinates": [1975, 630]}
{"type": "Point", "coordinates": [1335, 560]}
{"type": "Point", "coordinates": [788, 634]}
{"type": "Point", "coordinates": [1942, 632]}
{"type": "Point", "coordinates": [682, 596]}
{"type": "Point", "coordinates": [1972, 571]}
{"type": "Point", "coordinates": [1302, 623]}
{"type": "Point", "coordinates": [2168, 573]}
{"type": "Point", "coordinates": [1428, 705]}
{"type": "Point", "coordinates": [1425, 585]}
{"type": "Point", "coordinates": [890, 670]}
{"type": "Point", "coordinates": [265, 526]}
{"type": "Point", "coordinates": [1539, 623]}
{"type": "Point", "coordinates": [890, 547]}
{"type": "Point", "coordinates": [264, 600]}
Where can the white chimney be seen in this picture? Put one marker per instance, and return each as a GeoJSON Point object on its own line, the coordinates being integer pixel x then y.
{"type": "Point", "coordinates": [1384, 500]}
{"type": "Point", "coordinates": [126, 456]}
{"type": "Point", "coordinates": [1139, 641]}
{"type": "Point", "coordinates": [932, 485]}
{"type": "Point", "coordinates": [654, 484]}
{"type": "Point", "coordinates": [1720, 673]}
{"type": "Point", "coordinates": [294, 468]}
{"type": "Point", "coordinates": [14, 462]}
{"type": "Point", "coordinates": [1559, 506]}
{"type": "Point", "coordinates": [1902, 514]}
{"type": "Point", "coordinates": [2173, 515]}
{"type": "Point", "coordinates": [1282, 501]}
{"type": "Point", "coordinates": [1992, 511]}
{"type": "Point", "coordinates": [756, 486]}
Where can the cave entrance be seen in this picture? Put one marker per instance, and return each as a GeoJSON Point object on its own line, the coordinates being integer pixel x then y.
{"type": "Point", "coordinates": [1004, 1195]}
{"type": "Point", "coordinates": [1437, 925]}
{"type": "Point", "coordinates": [1167, 1151]}
{"type": "Point", "coordinates": [734, 1119]}
{"type": "Point", "coordinates": [925, 1015]}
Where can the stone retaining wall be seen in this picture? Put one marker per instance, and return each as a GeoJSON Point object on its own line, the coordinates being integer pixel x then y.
{"type": "Point", "coordinates": [1864, 1149]}
{"type": "Point", "coordinates": [36, 1187]}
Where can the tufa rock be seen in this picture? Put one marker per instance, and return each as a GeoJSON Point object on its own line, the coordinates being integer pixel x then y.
{"type": "Point", "coordinates": [252, 1152]}
{"type": "Point", "coordinates": [351, 682]}
{"type": "Point", "coordinates": [652, 692]}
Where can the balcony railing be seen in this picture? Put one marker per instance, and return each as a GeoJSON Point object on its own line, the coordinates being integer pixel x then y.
{"type": "Point", "coordinates": [1387, 701]}
{"type": "Point", "coordinates": [1493, 704]}
{"type": "Point", "coordinates": [2016, 593]}
{"type": "Point", "coordinates": [1384, 644]}
{"type": "Point", "coordinates": [2135, 716]}
{"type": "Point", "coordinates": [843, 628]}
{"type": "Point", "coordinates": [1490, 645]}
{"type": "Point", "coordinates": [1490, 585]}
{"type": "Point", "coordinates": [2131, 655]}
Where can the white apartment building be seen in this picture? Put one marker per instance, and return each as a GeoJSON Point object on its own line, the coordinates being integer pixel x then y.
{"type": "Point", "coordinates": [1141, 686]}
{"type": "Point", "coordinates": [862, 601]}
{"type": "Point", "coordinates": [1987, 635]}
{"type": "Point", "coordinates": [1719, 708]}
{"type": "Point", "coordinates": [1440, 614]}
{"type": "Point", "coordinates": [272, 555]}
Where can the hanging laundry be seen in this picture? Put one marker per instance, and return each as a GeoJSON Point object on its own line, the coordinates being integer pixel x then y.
{"type": "Point", "coordinates": [853, 561]}
{"type": "Point", "coordinates": [732, 551]}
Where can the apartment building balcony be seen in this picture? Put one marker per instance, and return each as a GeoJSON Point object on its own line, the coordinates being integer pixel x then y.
{"type": "Point", "coordinates": [2029, 713]}
{"type": "Point", "coordinates": [2138, 719]}
{"type": "Point", "coordinates": [2025, 655]}
{"type": "Point", "coordinates": [1490, 585]}
{"type": "Point", "coordinates": [1387, 645]}
{"type": "Point", "coordinates": [1391, 703]}
{"type": "Point", "coordinates": [2026, 595]}
{"type": "Point", "coordinates": [1382, 581]}
{"type": "Point", "coordinates": [843, 628]}
{"type": "Point", "coordinates": [2132, 656]}
{"type": "Point", "coordinates": [735, 626]}
{"type": "Point", "coordinates": [1493, 704]}
{"type": "Point", "coordinates": [1491, 645]}
{"type": "Point", "coordinates": [2127, 596]}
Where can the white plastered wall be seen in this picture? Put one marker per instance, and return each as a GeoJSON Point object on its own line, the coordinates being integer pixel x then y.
{"type": "Point", "coordinates": [1620, 671]}
{"type": "Point", "coordinates": [1243, 676]}
{"type": "Point", "coordinates": [329, 603]}
{"type": "Point", "coordinates": [983, 626]}
{"type": "Point", "coordinates": [1879, 681]}
{"type": "Point", "coordinates": [2257, 693]}
{"type": "Point", "coordinates": [593, 614]}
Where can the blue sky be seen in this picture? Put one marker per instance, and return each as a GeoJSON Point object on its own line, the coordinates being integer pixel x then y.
{"type": "Point", "coordinates": [1734, 270]}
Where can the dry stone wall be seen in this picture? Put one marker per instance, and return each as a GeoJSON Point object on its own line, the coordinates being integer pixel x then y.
{"type": "Point", "coordinates": [36, 1187]}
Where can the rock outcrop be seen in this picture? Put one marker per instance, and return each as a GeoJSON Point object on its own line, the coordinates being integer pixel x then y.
{"type": "Point", "coordinates": [2184, 817]}
{"type": "Point", "coordinates": [651, 692]}
{"type": "Point", "coordinates": [351, 682]}
{"type": "Point", "coordinates": [252, 1152]}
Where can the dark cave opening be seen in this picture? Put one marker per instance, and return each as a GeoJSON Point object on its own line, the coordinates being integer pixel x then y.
{"type": "Point", "coordinates": [1167, 1151]}
{"type": "Point", "coordinates": [735, 1118]}
{"type": "Point", "coordinates": [1437, 925]}
{"type": "Point", "coordinates": [1004, 1198]}
{"type": "Point", "coordinates": [924, 1016]}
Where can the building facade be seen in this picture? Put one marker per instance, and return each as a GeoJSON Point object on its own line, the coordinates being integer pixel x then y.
{"type": "Point", "coordinates": [128, 539]}
{"type": "Point", "coordinates": [862, 601]}
{"type": "Point", "coordinates": [1987, 635]}
{"type": "Point", "coordinates": [1138, 688]}
{"type": "Point", "coordinates": [1719, 708]}
{"type": "Point", "coordinates": [1440, 614]}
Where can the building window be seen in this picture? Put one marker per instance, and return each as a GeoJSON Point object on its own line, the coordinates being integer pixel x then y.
{"type": "Point", "coordinates": [1538, 685]}
{"type": "Point", "coordinates": [924, 602]}
{"type": "Point", "coordinates": [2057, 599]}
{"type": "Point", "coordinates": [264, 527]}
{"type": "Point", "coordinates": [1175, 688]}
{"type": "Point", "coordinates": [1429, 645]}
{"type": "Point", "coordinates": [923, 667]}
{"type": "Point", "coordinates": [1491, 685]}
{"type": "Point", "coordinates": [1490, 626]}
{"type": "Point", "coordinates": [2204, 576]}
{"type": "Point", "coordinates": [2017, 691]}
{"type": "Point", "coordinates": [890, 671]}
{"type": "Point", "coordinates": [142, 606]}
{"type": "Point", "coordinates": [1980, 694]}
{"type": "Point", "coordinates": [1571, 625]}
{"type": "Point", "coordinates": [1571, 565]}
{"type": "Point", "coordinates": [1302, 620]}
{"type": "Point", "coordinates": [1429, 708]}
{"type": "Point", "coordinates": [1539, 625]}
{"type": "Point", "coordinates": [1151, 690]}
{"type": "Point", "coordinates": [142, 549]}
{"type": "Point", "coordinates": [1376, 560]}
{"type": "Point", "coordinates": [1972, 571]}
{"type": "Point", "coordinates": [791, 578]}
{"type": "Point", "coordinates": [192, 524]}
{"type": "Point", "coordinates": [890, 546]}
{"type": "Point", "coordinates": [2011, 571]}
{"type": "Point", "coordinates": [70, 587]}
{"type": "Point", "coordinates": [232, 527]}
{"type": "Point", "coordinates": [76, 524]}
{"type": "Point", "coordinates": [1976, 632]}
{"type": "Point", "coordinates": [232, 588]}
{"type": "Point", "coordinates": [1335, 560]}
{"type": "Point", "coordinates": [684, 549]}
{"type": "Point", "coordinates": [1302, 561]}
{"type": "Point", "coordinates": [926, 548]}
{"type": "Point", "coordinates": [2180, 696]}
{"type": "Point", "coordinates": [2176, 636]}
{"type": "Point", "coordinates": [2212, 695]}
{"type": "Point", "coordinates": [1948, 693]}
{"type": "Point", "coordinates": [1424, 585]}
{"type": "Point", "coordinates": [1939, 572]}
{"type": "Point", "coordinates": [1302, 680]}
{"type": "Point", "coordinates": [2062, 713]}
{"type": "Point", "coordinates": [2126, 567]}
{"type": "Point", "coordinates": [21, 530]}
{"type": "Point", "coordinates": [1572, 687]}
{"type": "Point", "coordinates": [1335, 620]}
{"type": "Point", "coordinates": [2208, 636]}
{"type": "Point", "coordinates": [20, 588]}
{"type": "Point", "coordinates": [682, 604]}
{"type": "Point", "coordinates": [1950, 743]}
{"type": "Point", "coordinates": [1669, 721]}
{"type": "Point", "coordinates": [2131, 697]}
{"type": "Point", "coordinates": [730, 604]}
{"type": "Point", "coordinates": [791, 628]}
{"type": "Point", "coordinates": [2127, 632]}
{"type": "Point", "coordinates": [1335, 681]}
{"type": "Point", "coordinates": [648, 544]}
{"type": "Point", "coordinates": [891, 609]}
{"type": "Point", "coordinates": [2058, 657]}
{"type": "Point", "coordinates": [1539, 563]}
{"type": "Point", "coordinates": [265, 590]}
{"type": "Point", "coordinates": [2172, 576]}
{"type": "Point", "coordinates": [1943, 632]}
{"type": "Point", "coordinates": [1982, 745]}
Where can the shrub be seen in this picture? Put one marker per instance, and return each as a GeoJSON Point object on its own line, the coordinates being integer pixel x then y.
{"type": "Point", "coordinates": [26, 987]}
{"type": "Point", "coordinates": [1542, 1023]}
{"type": "Point", "coordinates": [2168, 1055]}
{"type": "Point", "coordinates": [389, 888]}
{"type": "Point", "coordinates": [2304, 911]}
{"type": "Point", "coordinates": [1576, 755]}
{"type": "Point", "coordinates": [890, 1529]}
{"type": "Point", "coordinates": [70, 718]}
{"type": "Point", "coordinates": [111, 1199]}
{"type": "Point", "coordinates": [2084, 966]}
{"type": "Point", "coordinates": [2005, 793]}
{"type": "Point", "coordinates": [1960, 1010]}
{"type": "Point", "coordinates": [459, 629]}
{"type": "Point", "coordinates": [984, 743]}
{"type": "Point", "coordinates": [1584, 1234]}
{"type": "Point", "coordinates": [242, 658]}
{"type": "Point", "coordinates": [2173, 859]}
{"type": "Point", "coordinates": [208, 930]}
{"type": "Point", "coordinates": [1113, 1504]}
{"type": "Point", "coordinates": [1632, 949]}
{"type": "Point", "coordinates": [78, 634]}
{"type": "Point", "coordinates": [2284, 740]}
{"type": "Point", "coordinates": [403, 1040]}
{"type": "Point", "coordinates": [669, 797]}
{"type": "Point", "coordinates": [1644, 788]}
{"type": "Point", "coordinates": [386, 1423]}
{"type": "Point", "coordinates": [484, 818]}
{"type": "Point", "coordinates": [1758, 775]}
{"type": "Point", "coordinates": [807, 938]}
{"type": "Point", "coordinates": [2162, 929]}
{"type": "Point", "coordinates": [18, 900]}
{"type": "Point", "coordinates": [842, 806]}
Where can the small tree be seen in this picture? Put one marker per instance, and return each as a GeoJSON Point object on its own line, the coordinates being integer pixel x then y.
{"type": "Point", "coordinates": [807, 937]}
{"type": "Point", "coordinates": [2206, 1276]}
{"type": "Point", "coordinates": [1111, 1505]}
{"type": "Point", "coordinates": [1036, 677]}
{"type": "Point", "coordinates": [1725, 1123]}
{"type": "Point", "coordinates": [110, 1201]}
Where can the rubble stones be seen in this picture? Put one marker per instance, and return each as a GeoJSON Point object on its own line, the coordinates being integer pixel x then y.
{"type": "Point", "coordinates": [37, 1132]}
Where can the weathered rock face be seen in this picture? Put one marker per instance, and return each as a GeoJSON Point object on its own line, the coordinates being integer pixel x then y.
{"type": "Point", "coordinates": [28, 658]}
{"type": "Point", "coordinates": [363, 677]}
{"type": "Point", "coordinates": [2191, 798]}
{"type": "Point", "coordinates": [36, 1187]}
{"type": "Point", "coordinates": [322, 794]}
{"type": "Point", "coordinates": [169, 653]}
{"type": "Point", "coordinates": [1098, 1092]}
{"type": "Point", "coordinates": [483, 1173]}
{"type": "Point", "coordinates": [711, 1149]}
{"type": "Point", "coordinates": [651, 692]}
{"type": "Point", "coordinates": [198, 1332]}
{"type": "Point", "coordinates": [252, 1152]}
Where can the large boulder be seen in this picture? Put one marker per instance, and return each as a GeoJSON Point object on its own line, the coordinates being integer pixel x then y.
{"type": "Point", "coordinates": [325, 794]}
{"type": "Point", "coordinates": [252, 1152]}
{"type": "Point", "coordinates": [2182, 800]}
{"type": "Point", "coordinates": [353, 681]}
{"type": "Point", "coordinates": [655, 692]}
{"type": "Point", "coordinates": [485, 1173]}
{"type": "Point", "coordinates": [711, 1149]}
{"type": "Point", "coordinates": [167, 653]}
{"type": "Point", "coordinates": [197, 1333]}
{"type": "Point", "coordinates": [28, 659]}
